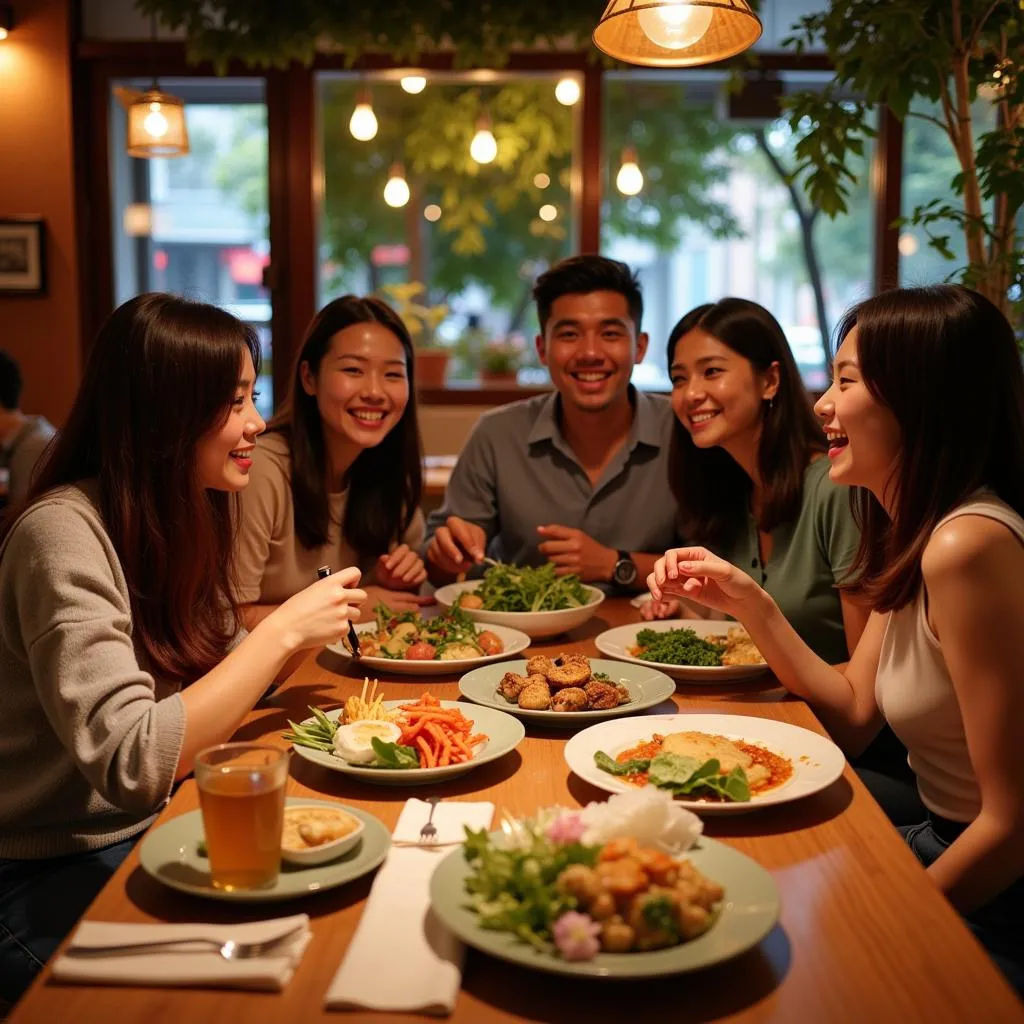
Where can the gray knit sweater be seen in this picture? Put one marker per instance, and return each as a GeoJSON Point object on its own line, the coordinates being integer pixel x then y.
{"type": "Point", "coordinates": [89, 741]}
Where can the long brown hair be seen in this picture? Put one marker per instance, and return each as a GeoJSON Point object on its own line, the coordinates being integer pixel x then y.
{"type": "Point", "coordinates": [915, 348]}
{"type": "Point", "coordinates": [385, 482]}
{"type": "Point", "coordinates": [161, 375]}
{"type": "Point", "coordinates": [713, 491]}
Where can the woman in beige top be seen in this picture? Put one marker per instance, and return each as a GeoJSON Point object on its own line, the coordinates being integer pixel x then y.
{"type": "Point", "coordinates": [337, 478]}
{"type": "Point", "coordinates": [926, 413]}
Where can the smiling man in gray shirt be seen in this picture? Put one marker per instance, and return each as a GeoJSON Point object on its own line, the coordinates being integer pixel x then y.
{"type": "Point", "coordinates": [578, 477]}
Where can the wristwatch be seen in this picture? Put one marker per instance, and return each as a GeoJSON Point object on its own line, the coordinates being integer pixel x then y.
{"type": "Point", "coordinates": [624, 573]}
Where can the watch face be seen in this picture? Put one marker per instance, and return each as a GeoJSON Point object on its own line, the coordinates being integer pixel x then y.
{"type": "Point", "coordinates": [625, 572]}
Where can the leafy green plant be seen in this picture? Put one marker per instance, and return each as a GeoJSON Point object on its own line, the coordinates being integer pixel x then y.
{"type": "Point", "coordinates": [918, 56]}
{"type": "Point", "coordinates": [502, 356]}
{"type": "Point", "coordinates": [421, 321]}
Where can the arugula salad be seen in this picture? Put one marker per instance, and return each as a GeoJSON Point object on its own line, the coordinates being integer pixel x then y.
{"type": "Point", "coordinates": [511, 588]}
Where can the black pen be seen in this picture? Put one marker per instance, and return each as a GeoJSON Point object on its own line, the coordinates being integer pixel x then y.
{"type": "Point", "coordinates": [353, 637]}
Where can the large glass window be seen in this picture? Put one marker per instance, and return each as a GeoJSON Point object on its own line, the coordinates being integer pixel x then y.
{"type": "Point", "coordinates": [197, 225]}
{"type": "Point", "coordinates": [465, 187]}
{"type": "Point", "coordinates": [714, 211]}
{"type": "Point", "coordinates": [929, 167]}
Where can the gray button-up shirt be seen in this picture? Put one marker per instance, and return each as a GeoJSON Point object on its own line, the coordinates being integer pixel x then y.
{"type": "Point", "coordinates": [517, 472]}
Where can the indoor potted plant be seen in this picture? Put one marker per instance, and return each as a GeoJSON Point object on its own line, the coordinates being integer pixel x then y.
{"type": "Point", "coordinates": [422, 323]}
{"type": "Point", "coordinates": [500, 360]}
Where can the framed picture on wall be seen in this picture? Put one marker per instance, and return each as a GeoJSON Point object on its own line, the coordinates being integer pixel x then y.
{"type": "Point", "coordinates": [22, 256]}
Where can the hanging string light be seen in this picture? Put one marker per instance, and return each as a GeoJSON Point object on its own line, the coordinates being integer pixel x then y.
{"type": "Point", "coordinates": [567, 91]}
{"type": "Point", "coordinates": [630, 179]}
{"type": "Point", "coordinates": [484, 147]}
{"type": "Point", "coordinates": [396, 191]}
{"type": "Point", "coordinates": [363, 122]}
{"type": "Point", "coordinates": [413, 83]}
{"type": "Point", "coordinates": [676, 33]}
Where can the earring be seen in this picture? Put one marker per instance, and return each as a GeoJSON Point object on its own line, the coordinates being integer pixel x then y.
{"type": "Point", "coordinates": [771, 402]}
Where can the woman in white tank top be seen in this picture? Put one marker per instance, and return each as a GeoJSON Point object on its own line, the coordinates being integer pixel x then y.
{"type": "Point", "coordinates": [926, 415]}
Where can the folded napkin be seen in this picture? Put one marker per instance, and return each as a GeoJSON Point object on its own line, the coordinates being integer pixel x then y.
{"type": "Point", "coordinates": [183, 965]}
{"type": "Point", "coordinates": [401, 957]}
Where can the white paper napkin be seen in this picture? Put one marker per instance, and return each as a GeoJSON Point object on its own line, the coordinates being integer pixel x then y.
{"type": "Point", "coordinates": [401, 957]}
{"type": "Point", "coordinates": [199, 967]}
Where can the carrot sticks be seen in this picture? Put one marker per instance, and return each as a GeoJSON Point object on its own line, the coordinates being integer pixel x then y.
{"type": "Point", "coordinates": [441, 736]}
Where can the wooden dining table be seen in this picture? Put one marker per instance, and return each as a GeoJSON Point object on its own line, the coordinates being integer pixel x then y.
{"type": "Point", "coordinates": [864, 936]}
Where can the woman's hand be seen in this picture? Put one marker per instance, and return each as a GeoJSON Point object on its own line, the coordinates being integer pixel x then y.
{"type": "Point", "coordinates": [320, 613]}
{"type": "Point", "coordinates": [696, 574]}
{"type": "Point", "coordinates": [396, 600]}
{"type": "Point", "coordinates": [401, 569]}
{"type": "Point", "coordinates": [667, 609]}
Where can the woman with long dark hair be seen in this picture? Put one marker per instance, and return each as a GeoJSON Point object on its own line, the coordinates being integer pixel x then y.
{"type": "Point", "coordinates": [926, 413]}
{"type": "Point", "coordinates": [748, 472]}
{"type": "Point", "coordinates": [121, 653]}
{"type": "Point", "coordinates": [338, 477]}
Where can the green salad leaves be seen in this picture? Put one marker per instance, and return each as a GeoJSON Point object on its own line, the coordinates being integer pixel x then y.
{"type": "Point", "coordinates": [682, 776]}
{"type": "Point", "coordinates": [510, 588]}
{"type": "Point", "coordinates": [514, 890]}
{"type": "Point", "coordinates": [677, 647]}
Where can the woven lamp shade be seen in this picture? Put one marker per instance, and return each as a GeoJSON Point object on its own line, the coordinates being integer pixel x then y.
{"type": "Point", "coordinates": [733, 28]}
{"type": "Point", "coordinates": [156, 126]}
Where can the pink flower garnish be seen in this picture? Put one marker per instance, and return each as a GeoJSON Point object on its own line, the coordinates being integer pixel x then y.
{"type": "Point", "coordinates": [565, 829]}
{"type": "Point", "coordinates": [576, 936]}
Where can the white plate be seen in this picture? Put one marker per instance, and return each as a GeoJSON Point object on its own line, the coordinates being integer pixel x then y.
{"type": "Point", "coordinates": [533, 624]}
{"type": "Point", "coordinates": [817, 761]}
{"type": "Point", "coordinates": [513, 639]}
{"type": "Point", "coordinates": [505, 733]}
{"type": "Point", "coordinates": [616, 644]}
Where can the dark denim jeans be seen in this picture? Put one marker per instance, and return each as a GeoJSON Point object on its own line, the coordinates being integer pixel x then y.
{"type": "Point", "coordinates": [40, 902]}
{"type": "Point", "coordinates": [997, 925]}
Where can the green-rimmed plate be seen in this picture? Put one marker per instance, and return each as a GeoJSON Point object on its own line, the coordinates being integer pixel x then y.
{"type": "Point", "coordinates": [504, 733]}
{"type": "Point", "coordinates": [748, 914]}
{"type": "Point", "coordinates": [647, 687]}
{"type": "Point", "coordinates": [170, 853]}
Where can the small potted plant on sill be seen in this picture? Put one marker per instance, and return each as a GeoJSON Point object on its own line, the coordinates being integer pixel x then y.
{"type": "Point", "coordinates": [422, 323]}
{"type": "Point", "coordinates": [500, 360]}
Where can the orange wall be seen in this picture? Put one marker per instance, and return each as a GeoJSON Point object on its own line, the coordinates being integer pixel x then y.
{"type": "Point", "coordinates": [37, 180]}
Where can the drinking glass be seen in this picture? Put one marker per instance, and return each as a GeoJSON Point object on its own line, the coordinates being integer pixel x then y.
{"type": "Point", "coordinates": [241, 794]}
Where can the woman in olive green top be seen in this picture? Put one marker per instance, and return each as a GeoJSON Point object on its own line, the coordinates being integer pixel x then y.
{"type": "Point", "coordinates": [748, 472]}
{"type": "Point", "coordinates": [747, 468]}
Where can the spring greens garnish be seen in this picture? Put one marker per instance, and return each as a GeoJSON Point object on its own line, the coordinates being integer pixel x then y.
{"type": "Point", "coordinates": [318, 734]}
{"type": "Point", "coordinates": [514, 890]}
{"type": "Point", "coordinates": [510, 588]}
{"type": "Point", "coordinates": [393, 755]}
{"type": "Point", "coordinates": [678, 647]}
{"type": "Point", "coordinates": [682, 776]}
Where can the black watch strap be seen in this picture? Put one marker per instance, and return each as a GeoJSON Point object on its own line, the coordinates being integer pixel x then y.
{"type": "Point", "coordinates": [626, 579]}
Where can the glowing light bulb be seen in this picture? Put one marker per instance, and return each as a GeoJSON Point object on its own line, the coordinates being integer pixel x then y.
{"type": "Point", "coordinates": [363, 123]}
{"type": "Point", "coordinates": [396, 191]}
{"type": "Point", "coordinates": [567, 92]}
{"type": "Point", "coordinates": [3, 33]}
{"type": "Point", "coordinates": [155, 122]}
{"type": "Point", "coordinates": [432, 212]}
{"type": "Point", "coordinates": [541, 180]}
{"type": "Point", "coordinates": [675, 24]}
{"type": "Point", "coordinates": [413, 83]}
{"type": "Point", "coordinates": [907, 244]}
{"type": "Point", "coordinates": [483, 149]}
{"type": "Point", "coordinates": [630, 178]}
{"type": "Point", "coordinates": [548, 212]}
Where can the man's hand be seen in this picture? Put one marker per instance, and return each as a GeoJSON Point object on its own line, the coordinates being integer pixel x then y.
{"type": "Point", "coordinates": [573, 551]}
{"type": "Point", "coordinates": [456, 546]}
{"type": "Point", "coordinates": [401, 569]}
{"type": "Point", "coordinates": [396, 600]}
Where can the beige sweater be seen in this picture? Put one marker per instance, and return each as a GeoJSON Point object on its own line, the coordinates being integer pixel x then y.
{"type": "Point", "coordinates": [89, 741]}
{"type": "Point", "coordinates": [271, 563]}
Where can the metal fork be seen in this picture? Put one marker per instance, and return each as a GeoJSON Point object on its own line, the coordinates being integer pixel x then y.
{"type": "Point", "coordinates": [428, 834]}
{"type": "Point", "coordinates": [229, 950]}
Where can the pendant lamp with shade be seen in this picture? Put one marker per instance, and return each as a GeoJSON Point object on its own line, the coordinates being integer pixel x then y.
{"type": "Point", "coordinates": [156, 119]}
{"type": "Point", "coordinates": [676, 33]}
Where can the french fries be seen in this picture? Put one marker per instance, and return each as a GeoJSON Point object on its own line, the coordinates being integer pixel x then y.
{"type": "Point", "coordinates": [368, 706]}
